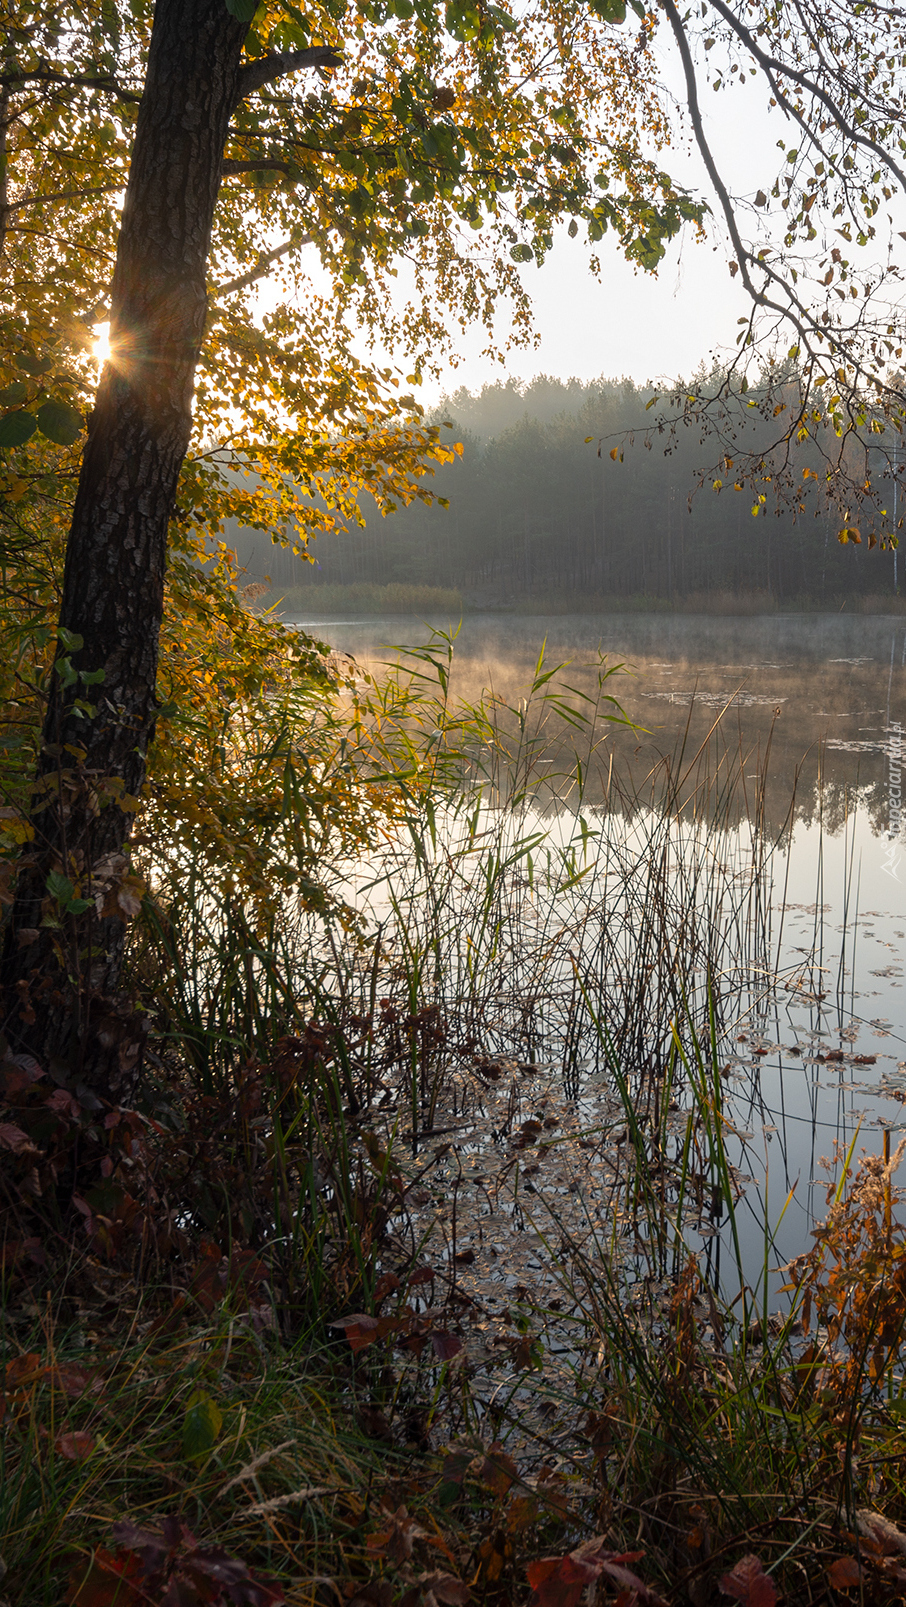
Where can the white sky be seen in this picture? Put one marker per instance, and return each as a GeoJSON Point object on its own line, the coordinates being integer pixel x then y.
{"type": "Point", "coordinates": [626, 323]}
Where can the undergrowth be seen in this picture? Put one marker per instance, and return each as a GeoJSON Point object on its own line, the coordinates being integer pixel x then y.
{"type": "Point", "coordinates": [379, 1288]}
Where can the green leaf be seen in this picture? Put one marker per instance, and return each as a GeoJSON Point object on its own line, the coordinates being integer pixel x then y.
{"type": "Point", "coordinates": [609, 10]}
{"type": "Point", "coordinates": [63, 668]}
{"type": "Point", "coordinates": [201, 1426]}
{"type": "Point", "coordinates": [463, 19]}
{"type": "Point", "coordinates": [17, 428]}
{"type": "Point", "coordinates": [522, 253]}
{"type": "Point", "coordinates": [34, 365]}
{"type": "Point", "coordinates": [59, 887]}
{"type": "Point", "coordinates": [61, 423]}
{"type": "Point", "coordinates": [13, 395]}
{"type": "Point", "coordinates": [243, 9]}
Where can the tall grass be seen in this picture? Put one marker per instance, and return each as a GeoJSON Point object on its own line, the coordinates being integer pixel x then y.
{"type": "Point", "coordinates": [431, 1165]}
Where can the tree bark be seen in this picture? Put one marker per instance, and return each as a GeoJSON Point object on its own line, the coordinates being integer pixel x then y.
{"type": "Point", "coordinates": [60, 965]}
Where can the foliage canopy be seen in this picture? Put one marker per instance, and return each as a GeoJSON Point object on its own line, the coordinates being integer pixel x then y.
{"type": "Point", "coordinates": [358, 134]}
{"type": "Point", "coordinates": [378, 132]}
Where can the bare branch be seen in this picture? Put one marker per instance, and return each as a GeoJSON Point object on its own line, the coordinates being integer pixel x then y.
{"type": "Point", "coordinates": [63, 195]}
{"type": "Point", "coordinates": [774, 68]}
{"type": "Point", "coordinates": [794, 310]}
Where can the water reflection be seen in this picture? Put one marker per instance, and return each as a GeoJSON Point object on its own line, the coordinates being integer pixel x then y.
{"type": "Point", "coordinates": [809, 706]}
{"type": "Point", "coordinates": [814, 695]}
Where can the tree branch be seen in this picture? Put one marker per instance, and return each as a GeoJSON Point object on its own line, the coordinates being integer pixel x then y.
{"type": "Point", "coordinates": [261, 267]}
{"type": "Point", "coordinates": [773, 68]}
{"type": "Point", "coordinates": [46, 75]}
{"type": "Point", "coordinates": [266, 165]}
{"type": "Point", "coordinates": [63, 195]}
{"type": "Point", "coordinates": [255, 74]}
{"type": "Point", "coordinates": [794, 312]}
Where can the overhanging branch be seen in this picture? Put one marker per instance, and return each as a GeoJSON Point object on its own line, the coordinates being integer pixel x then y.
{"type": "Point", "coordinates": [232, 168]}
{"type": "Point", "coordinates": [14, 79]}
{"type": "Point", "coordinates": [793, 310]}
{"type": "Point", "coordinates": [265, 261]}
{"type": "Point", "coordinates": [775, 69]}
{"type": "Point", "coordinates": [255, 74]}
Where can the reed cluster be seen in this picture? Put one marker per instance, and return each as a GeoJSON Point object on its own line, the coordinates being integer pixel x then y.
{"type": "Point", "coordinates": [414, 1273]}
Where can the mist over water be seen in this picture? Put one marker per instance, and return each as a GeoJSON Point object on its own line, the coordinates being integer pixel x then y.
{"type": "Point", "coordinates": [804, 711]}
{"type": "Point", "coordinates": [821, 689]}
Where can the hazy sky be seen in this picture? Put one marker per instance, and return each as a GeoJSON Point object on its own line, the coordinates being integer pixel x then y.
{"type": "Point", "coordinates": [624, 323]}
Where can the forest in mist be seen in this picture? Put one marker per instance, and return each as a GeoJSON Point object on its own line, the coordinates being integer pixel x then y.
{"type": "Point", "coordinates": [539, 512]}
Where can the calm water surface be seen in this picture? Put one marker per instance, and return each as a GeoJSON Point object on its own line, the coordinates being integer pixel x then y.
{"type": "Point", "coordinates": [814, 704]}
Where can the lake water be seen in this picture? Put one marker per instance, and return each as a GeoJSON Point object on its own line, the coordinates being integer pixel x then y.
{"type": "Point", "coordinates": [809, 711]}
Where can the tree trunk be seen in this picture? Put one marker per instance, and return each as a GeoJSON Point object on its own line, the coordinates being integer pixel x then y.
{"type": "Point", "coordinates": [61, 960]}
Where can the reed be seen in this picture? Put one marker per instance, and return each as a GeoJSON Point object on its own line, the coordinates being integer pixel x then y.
{"type": "Point", "coordinates": [421, 1253]}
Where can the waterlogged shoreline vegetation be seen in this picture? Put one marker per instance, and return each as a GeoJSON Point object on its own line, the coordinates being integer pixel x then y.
{"type": "Point", "coordinates": [419, 1265]}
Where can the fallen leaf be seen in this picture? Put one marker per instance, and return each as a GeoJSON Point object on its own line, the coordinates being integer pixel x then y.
{"type": "Point", "coordinates": [104, 1581]}
{"type": "Point", "coordinates": [445, 1345]}
{"type": "Point", "coordinates": [749, 1584]}
{"type": "Point", "coordinates": [12, 1137]}
{"type": "Point", "coordinates": [845, 1573]}
{"type": "Point", "coordinates": [362, 1330]}
{"type": "Point", "coordinates": [374, 1423]}
{"type": "Point", "coordinates": [398, 1539]}
{"type": "Point", "coordinates": [75, 1445]}
{"type": "Point", "coordinates": [201, 1426]}
{"type": "Point", "coordinates": [24, 1370]}
{"type": "Point", "coordinates": [561, 1581]}
{"type": "Point", "coordinates": [377, 1593]}
{"type": "Point", "coordinates": [885, 1535]}
{"type": "Point", "coordinates": [439, 1587]}
{"type": "Point", "coordinates": [498, 1470]}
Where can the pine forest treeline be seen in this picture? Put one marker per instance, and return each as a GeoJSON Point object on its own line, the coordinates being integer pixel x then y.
{"type": "Point", "coordinates": [539, 512]}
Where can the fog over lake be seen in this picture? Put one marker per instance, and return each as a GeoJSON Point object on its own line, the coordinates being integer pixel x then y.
{"type": "Point", "coordinates": [813, 703]}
